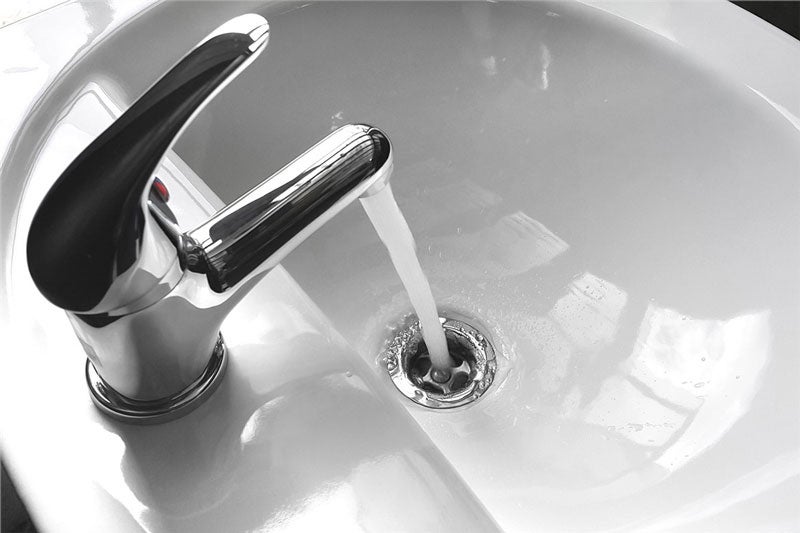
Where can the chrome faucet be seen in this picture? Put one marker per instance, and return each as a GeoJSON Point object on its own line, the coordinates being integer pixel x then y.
{"type": "Point", "coordinates": [146, 298]}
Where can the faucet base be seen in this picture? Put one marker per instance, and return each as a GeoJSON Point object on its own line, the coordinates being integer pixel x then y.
{"type": "Point", "coordinates": [125, 409]}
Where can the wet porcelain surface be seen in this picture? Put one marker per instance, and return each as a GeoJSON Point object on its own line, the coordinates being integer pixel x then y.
{"type": "Point", "coordinates": [605, 205]}
{"type": "Point", "coordinates": [615, 203]}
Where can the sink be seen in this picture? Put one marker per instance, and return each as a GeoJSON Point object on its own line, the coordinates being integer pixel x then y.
{"type": "Point", "coordinates": [610, 190]}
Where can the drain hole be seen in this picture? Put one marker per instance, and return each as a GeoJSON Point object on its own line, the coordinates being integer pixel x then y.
{"type": "Point", "coordinates": [470, 374]}
{"type": "Point", "coordinates": [443, 381]}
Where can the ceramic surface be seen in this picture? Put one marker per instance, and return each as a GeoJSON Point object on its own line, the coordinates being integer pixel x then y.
{"type": "Point", "coordinates": [611, 189]}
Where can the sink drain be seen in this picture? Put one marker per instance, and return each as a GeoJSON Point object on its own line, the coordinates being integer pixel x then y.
{"type": "Point", "coordinates": [412, 372]}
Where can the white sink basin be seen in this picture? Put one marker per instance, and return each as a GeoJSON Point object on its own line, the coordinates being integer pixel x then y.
{"type": "Point", "coordinates": [611, 190]}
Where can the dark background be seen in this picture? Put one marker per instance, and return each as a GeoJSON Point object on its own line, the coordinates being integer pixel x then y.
{"type": "Point", "coordinates": [784, 15]}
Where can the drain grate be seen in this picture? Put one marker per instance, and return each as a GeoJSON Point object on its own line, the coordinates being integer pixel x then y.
{"type": "Point", "coordinates": [410, 368]}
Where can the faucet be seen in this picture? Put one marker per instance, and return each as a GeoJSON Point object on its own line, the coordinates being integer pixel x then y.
{"type": "Point", "coordinates": [147, 299]}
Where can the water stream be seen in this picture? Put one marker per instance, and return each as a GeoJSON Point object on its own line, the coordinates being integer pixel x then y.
{"type": "Point", "coordinates": [393, 230]}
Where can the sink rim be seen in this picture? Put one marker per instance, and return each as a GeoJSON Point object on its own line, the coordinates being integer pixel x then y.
{"type": "Point", "coordinates": [700, 28]}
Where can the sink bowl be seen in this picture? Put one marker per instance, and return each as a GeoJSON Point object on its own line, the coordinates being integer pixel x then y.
{"type": "Point", "coordinates": [610, 190]}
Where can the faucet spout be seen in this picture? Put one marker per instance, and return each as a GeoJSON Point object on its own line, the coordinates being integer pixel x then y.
{"type": "Point", "coordinates": [255, 232]}
{"type": "Point", "coordinates": [146, 298]}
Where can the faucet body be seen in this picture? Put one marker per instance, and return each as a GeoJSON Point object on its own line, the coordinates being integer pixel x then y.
{"type": "Point", "coordinates": [146, 298]}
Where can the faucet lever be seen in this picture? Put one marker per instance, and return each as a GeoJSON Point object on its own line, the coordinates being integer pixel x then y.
{"type": "Point", "coordinates": [92, 237]}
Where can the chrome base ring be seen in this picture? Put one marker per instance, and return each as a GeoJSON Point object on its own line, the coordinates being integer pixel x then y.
{"type": "Point", "coordinates": [120, 407]}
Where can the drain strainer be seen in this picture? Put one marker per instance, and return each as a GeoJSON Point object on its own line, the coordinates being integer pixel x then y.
{"type": "Point", "coordinates": [410, 367]}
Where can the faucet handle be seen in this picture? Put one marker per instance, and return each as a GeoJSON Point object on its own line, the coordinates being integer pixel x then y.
{"type": "Point", "coordinates": [93, 245]}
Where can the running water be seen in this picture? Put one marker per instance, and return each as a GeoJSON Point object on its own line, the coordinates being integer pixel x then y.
{"type": "Point", "coordinates": [393, 230]}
